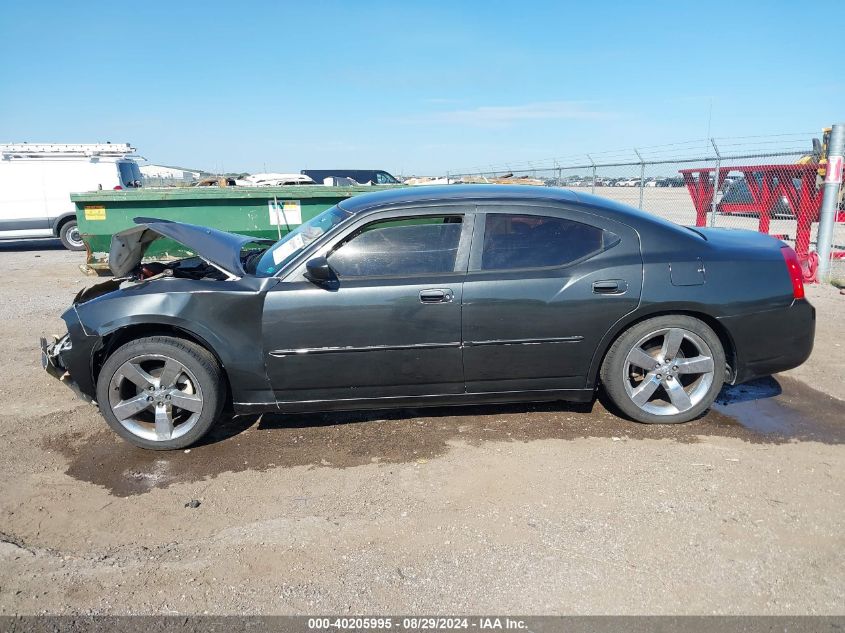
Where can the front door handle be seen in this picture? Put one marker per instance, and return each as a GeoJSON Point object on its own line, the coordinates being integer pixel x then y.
{"type": "Point", "coordinates": [436, 295]}
{"type": "Point", "coordinates": [610, 287]}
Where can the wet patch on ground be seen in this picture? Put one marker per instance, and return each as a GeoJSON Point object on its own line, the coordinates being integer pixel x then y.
{"type": "Point", "coordinates": [766, 411]}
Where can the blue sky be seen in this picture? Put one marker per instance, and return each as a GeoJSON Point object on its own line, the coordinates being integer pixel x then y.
{"type": "Point", "coordinates": [411, 87]}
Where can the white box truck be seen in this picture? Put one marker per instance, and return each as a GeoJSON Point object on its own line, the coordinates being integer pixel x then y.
{"type": "Point", "coordinates": [36, 181]}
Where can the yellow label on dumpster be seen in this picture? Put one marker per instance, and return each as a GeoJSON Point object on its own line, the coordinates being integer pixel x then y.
{"type": "Point", "coordinates": [96, 212]}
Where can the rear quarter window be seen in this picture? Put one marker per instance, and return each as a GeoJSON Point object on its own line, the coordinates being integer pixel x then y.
{"type": "Point", "coordinates": [513, 241]}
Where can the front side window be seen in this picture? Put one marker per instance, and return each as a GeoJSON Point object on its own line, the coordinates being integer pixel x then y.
{"type": "Point", "coordinates": [533, 241]}
{"type": "Point", "coordinates": [400, 247]}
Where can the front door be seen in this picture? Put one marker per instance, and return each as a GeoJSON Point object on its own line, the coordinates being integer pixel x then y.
{"type": "Point", "coordinates": [544, 285]}
{"type": "Point", "coordinates": [389, 327]}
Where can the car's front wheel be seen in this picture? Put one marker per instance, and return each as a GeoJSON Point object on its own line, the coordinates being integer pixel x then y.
{"type": "Point", "coordinates": [667, 369]}
{"type": "Point", "coordinates": [160, 392]}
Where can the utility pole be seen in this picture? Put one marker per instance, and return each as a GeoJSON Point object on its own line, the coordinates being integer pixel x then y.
{"type": "Point", "coordinates": [642, 177]}
{"type": "Point", "coordinates": [715, 183]}
{"type": "Point", "coordinates": [830, 199]}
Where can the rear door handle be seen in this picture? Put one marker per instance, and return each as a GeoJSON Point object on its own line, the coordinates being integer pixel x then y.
{"type": "Point", "coordinates": [610, 287]}
{"type": "Point", "coordinates": [436, 295]}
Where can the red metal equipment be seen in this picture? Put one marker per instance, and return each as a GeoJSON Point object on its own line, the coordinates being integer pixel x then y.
{"type": "Point", "coordinates": [767, 184]}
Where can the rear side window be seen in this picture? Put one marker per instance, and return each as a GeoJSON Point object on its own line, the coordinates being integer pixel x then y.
{"type": "Point", "coordinates": [408, 246]}
{"type": "Point", "coordinates": [532, 241]}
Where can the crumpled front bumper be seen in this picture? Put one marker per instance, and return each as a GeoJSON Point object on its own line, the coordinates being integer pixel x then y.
{"type": "Point", "coordinates": [51, 361]}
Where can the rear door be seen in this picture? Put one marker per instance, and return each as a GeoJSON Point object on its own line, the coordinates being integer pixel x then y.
{"type": "Point", "coordinates": [545, 283]}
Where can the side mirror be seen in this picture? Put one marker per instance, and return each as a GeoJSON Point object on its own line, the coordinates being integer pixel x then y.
{"type": "Point", "coordinates": [317, 270]}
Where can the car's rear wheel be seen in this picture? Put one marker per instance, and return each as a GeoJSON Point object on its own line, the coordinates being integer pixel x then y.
{"type": "Point", "coordinates": [160, 392]}
{"type": "Point", "coordinates": [664, 370]}
{"type": "Point", "coordinates": [70, 236]}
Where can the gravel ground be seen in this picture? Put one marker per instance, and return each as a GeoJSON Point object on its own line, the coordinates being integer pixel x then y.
{"type": "Point", "coordinates": [533, 509]}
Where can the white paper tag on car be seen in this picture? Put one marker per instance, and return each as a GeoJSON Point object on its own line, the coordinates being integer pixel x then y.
{"type": "Point", "coordinates": [284, 250]}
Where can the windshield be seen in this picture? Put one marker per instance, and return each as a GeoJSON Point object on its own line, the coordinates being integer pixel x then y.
{"type": "Point", "coordinates": [130, 174]}
{"type": "Point", "coordinates": [383, 178]}
{"type": "Point", "coordinates": [292, 244]}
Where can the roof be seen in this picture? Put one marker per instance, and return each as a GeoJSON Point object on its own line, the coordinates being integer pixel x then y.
{"type": "Point", "coordinates": [455, 193]}
{"type": "Point", "coordinates": [479, 193]}
{"type": "Point", "coordinates": [67, 149]}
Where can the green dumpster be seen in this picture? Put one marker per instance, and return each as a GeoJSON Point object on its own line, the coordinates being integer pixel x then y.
{"type": "Point", "coordinates": [259, 211]}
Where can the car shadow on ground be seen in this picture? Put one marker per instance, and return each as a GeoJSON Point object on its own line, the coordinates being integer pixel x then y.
{"type": "Point", "coordinates": [765, 412]}
{"type": "Point", "coordinates": [276, 421]}
{"type": "Point", "coordinates": [752, 410]}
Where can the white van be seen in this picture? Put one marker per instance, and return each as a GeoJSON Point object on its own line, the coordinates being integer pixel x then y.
{"type": "Point", "coordinates": [36, 181]}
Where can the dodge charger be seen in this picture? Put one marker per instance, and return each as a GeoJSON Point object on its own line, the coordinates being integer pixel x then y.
{"type": "Point", "coordinates": [431, 296]}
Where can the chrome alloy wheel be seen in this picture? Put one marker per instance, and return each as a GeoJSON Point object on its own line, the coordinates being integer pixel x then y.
{"type": "Point", "coordinates": [668, 371]}
{"type": "Point", "coordinates": [155, 397]}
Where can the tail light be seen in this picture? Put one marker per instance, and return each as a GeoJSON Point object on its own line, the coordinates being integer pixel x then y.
{"type": "Point", "coordinates": [796, 275]}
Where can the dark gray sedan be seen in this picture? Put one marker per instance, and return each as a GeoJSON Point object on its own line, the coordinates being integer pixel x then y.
{"type": "Point", "coordinates": [432, 296]}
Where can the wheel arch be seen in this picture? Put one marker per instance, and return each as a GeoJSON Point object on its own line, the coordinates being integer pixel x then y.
{"type": "Point", "coordinates": [633, 319]}
{"type": "Point", "coordinates": [60, 221]}
{"type": "Point", "coordinates": [126, 333]}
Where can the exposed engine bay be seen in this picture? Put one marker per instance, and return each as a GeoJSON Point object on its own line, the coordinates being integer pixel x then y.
{"type": "Point", "coordinates": [187, 268]}
{"type": "Point", "coordinates": [220, 256]}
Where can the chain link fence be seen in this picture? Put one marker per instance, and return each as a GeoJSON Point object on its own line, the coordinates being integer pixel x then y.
{"type": "Point", "coordinates": [773, 191]}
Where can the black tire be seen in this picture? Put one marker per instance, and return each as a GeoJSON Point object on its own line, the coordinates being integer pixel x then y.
{"type": "Point", "coordinates": [69, 235]}
{"type": "Point", "coordinates": [614, 370]}
{"type": "Point", "coordinates": [204, 370]}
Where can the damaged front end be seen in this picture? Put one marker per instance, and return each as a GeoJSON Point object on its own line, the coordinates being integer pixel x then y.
{"type": "Point", "coordinates": [219, 249]}
{"type": "Point", "coordinates": [51, 359]}
{"type": "Point", "coordinates": [139, 288]}
{"type": "Point", "coordinates": [54, 364]}
{"type": "Point", "coordinates": [69, 358]}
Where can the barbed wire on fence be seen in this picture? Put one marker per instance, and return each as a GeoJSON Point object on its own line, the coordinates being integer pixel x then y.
{"type": "Point", "coordinates": [738, 147]}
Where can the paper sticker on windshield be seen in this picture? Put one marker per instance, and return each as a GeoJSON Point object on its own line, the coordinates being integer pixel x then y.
{"type": "Point", "coordinates": [283, 251]}
{"type": "Point", "coordinates": [95, 212]}
{"type": "Point", "coordinates": [285, 213]}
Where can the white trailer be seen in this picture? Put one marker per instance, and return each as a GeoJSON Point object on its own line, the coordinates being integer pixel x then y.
{"type": "Point", "coordinates": [36, 181]}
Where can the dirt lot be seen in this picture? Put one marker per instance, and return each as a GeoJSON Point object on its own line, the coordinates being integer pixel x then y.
{"type": "Point", "coordinates": [530, 509]}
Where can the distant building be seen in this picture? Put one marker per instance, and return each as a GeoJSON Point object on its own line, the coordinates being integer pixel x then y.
{"type": "Point", "coordinates": [166, 174]}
